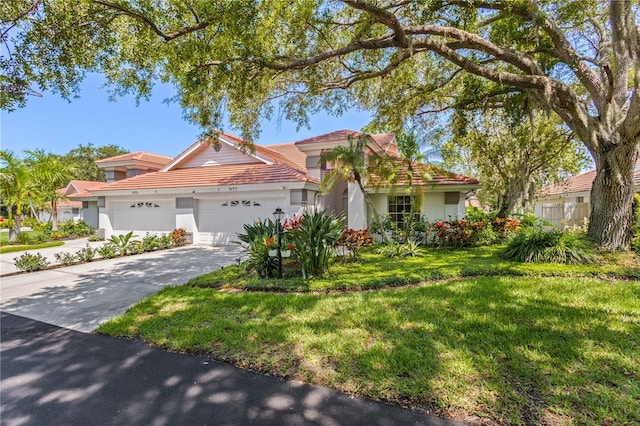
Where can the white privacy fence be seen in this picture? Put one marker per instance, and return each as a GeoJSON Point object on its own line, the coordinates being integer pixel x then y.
{"type": "Point", "coordinates": [565, 214]}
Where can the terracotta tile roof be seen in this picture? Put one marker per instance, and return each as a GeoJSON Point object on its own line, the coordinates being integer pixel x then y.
{"type": "Point", "coordinates": [86, 185]}
{"type": "Point", "coordinates": [385, 140]}
{"type": "Point", "coordinates": [139, 156]}
{"type": "Point", "coordinates": [291, 153]}
{"type": "Point", "coordinates": [336, 135]}
{"type": "Point", "coordinates": [63, 203]}
{"type": "Point", "coordinates": [581, 183]}
{"type": "Point", "coordinates": [233, 174]}
{"type": "Point", "coordinates": [423, 175]}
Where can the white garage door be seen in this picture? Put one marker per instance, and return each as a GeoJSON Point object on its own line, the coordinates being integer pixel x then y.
{"type": "Point", "coordinates": [219, 221]}
{"type": "Point", "coordinates": [150, 216]}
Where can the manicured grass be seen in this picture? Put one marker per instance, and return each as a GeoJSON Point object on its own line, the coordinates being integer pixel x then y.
{"type": "Point", "coordinates": [14, 248]}
{"type": "Point", "coordinates": [4, 237]}
{"type": "Point", "coordinates": [503, 349]}
{"type": "Point", "coordinates": [377, 271]}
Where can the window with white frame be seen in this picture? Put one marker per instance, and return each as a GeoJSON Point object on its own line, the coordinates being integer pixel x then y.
{"type": "Point", "coordinates": [397, 205]}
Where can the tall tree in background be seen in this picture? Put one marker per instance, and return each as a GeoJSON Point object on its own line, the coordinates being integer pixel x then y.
{"type": "Point", "coordinates": [83, 160]}
{"type": "Point", "coordinates": [233, 58]}
{"type": "Point", "coordinates": [513, 155]}
{"type": "Point", "coordinates": [49, 173]}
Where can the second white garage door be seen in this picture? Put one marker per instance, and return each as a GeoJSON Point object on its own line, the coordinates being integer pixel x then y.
{"type": "Point", "coordinates": [219, 222]}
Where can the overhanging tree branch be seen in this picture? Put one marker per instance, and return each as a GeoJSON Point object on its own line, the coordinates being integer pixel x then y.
{"type": "Point", "coordinates": [149, 23]}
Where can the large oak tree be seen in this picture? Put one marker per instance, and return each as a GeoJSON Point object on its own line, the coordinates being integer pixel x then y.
{"type": "Point", "coordinates": [397, 57]}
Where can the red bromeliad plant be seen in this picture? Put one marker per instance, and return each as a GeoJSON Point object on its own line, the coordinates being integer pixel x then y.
{"type": "Point", "coordinates": [354, 240]}
{"type": "Point", "coordinates": [456, 233]}
{"type": "Point", "coordinates": [293, 223]}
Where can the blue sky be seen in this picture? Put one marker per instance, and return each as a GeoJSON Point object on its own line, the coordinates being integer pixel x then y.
{"type": "Point", "coordinates": [58, 126]}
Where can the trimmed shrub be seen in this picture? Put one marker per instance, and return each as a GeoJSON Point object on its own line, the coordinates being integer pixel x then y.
{"type": "Point", "coordinates": [65, 258]}
{"type": "Point", "coordinates": [537, 245]}
{"type": "Point", "coordinates": [135, 247]}
{"type": "Point", "coordinates": [456, 233]}
{"type": "Point", "coordinates": [71, 228]}
{"type": "Point", "coordinates": [107, 251]}
{"type": "Point", "coordinates": [31, 222]}
{"type": "Point", "coordinates": [31, 262]}
{"type": "Point", "coordinates": [86, 254]}
{"type": "Point", "coordinates": [95, 237]}
{"type": "Point", "coordinates": [43, 227]}
{"type": "Point", "coordinates": [150, 242]}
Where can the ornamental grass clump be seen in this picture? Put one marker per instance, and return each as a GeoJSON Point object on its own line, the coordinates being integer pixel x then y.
{"type": "Point", "coordinates": [535, 244]}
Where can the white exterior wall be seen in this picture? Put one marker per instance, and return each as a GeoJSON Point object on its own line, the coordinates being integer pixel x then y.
{"type": "Point", "coordinates": [90, 215]}
{"type": "Point", "coordinates": [433, 206]}
{"type": "Point", "coordinates": [357, 208]}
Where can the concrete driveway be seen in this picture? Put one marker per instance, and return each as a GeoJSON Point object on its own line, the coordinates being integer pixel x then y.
{"type": "Point", "coordinates": [81, 297]}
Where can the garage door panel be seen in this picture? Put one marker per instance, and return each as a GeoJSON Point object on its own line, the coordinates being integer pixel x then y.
{"type": "Point", "coordinates": [152, 216]}
{"type": "Point", "coordinates": [225, 218]}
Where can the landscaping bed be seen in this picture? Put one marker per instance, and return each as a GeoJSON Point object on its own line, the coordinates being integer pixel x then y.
{"type": "Point", "coordinates": [507, 343]}
{"type": "Point", "coordinates": [375, 270]}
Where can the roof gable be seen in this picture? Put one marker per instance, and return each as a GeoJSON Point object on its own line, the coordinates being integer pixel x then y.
{"type": "Point", "coordinates": [203, 154]}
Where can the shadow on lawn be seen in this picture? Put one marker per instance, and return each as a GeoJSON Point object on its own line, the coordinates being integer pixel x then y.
{"type": "Point", "coordinates": [512, 350]}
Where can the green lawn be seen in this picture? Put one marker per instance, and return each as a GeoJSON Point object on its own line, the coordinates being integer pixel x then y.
{"type": "Point", "coordinates": [14, 248]}
{"type": "Point", "coordinates": [506, 349]}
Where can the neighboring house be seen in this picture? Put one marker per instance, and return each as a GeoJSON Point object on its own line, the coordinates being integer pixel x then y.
{"type": "Point", "coordinates": [568, 203]}
{"type": "Point", "coordinates": [213, 192]}
{"type": "Point", "coordinates": [73, 209]}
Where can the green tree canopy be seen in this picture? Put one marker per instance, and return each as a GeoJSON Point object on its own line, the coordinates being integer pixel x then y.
{"type": "Point", "coordinates": [397, 57]}
{"type": "Point", "coordinates": [83, 159]}
{"type": "Point", "coordinates": [513, 155]}
{"type": "Point", "coordinates": [48, 174]}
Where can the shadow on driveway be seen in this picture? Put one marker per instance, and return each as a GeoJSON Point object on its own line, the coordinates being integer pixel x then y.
{"type": "Point", "coordinates": [81, 297]}
{"type": "Point", "coordinates": [54, 376]}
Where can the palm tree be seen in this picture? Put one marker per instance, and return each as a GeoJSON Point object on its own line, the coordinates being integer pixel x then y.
{"type": "Point", "coordinates": [14, 189]}
{"type": "Point", "coordinates": [49, 174]}
{"type": "Point", "coordinates": [406, 169]}
{"type": "Point", "coordinates": [350, 164]}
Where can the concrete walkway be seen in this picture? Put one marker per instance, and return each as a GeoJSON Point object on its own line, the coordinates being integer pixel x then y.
{"type": "Point", "coordinates": [52, 376]}
{"type": "Point", "coordinates": [7, 265]}
{"type": "Point", "coordinates": [81, 297]}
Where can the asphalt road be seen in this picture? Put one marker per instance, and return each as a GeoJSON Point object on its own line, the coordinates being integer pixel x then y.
{"type": "Point", "coordinates": [55, 376]}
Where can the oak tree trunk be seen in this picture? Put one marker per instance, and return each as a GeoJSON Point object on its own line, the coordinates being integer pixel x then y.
{"type": "Point", "coordinates": [612, 197]}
